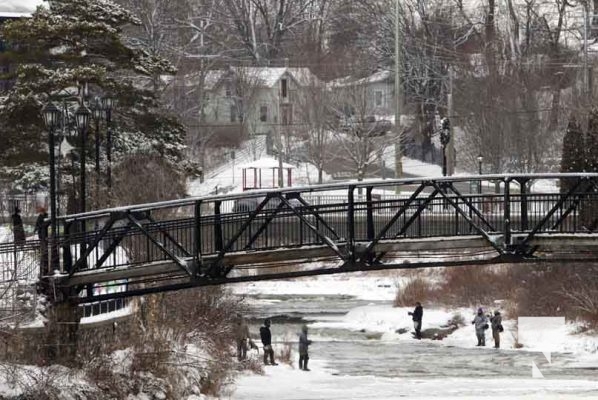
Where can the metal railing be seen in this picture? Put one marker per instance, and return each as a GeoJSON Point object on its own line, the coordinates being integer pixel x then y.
{"type": "Point", "coordinates": [197, 234]}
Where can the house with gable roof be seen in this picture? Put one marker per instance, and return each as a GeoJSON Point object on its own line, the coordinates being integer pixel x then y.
{"type": "Point", "coordinates": [257, 100]}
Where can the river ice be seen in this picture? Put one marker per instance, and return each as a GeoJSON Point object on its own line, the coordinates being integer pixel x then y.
{"type": "Point", "coordinates": [357, 353]}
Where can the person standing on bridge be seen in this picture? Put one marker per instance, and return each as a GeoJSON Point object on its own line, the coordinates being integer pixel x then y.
{"type": "Point", "coordinates": [40, 224]}
{"type": "Point", "coordinates": [481, 324]}
{"type": "Point", "coordinates": [417, 315]}
{"type": "Point", "coordinates": [303, 345]}
{"type": "Point", "coordinates": [496, 323]}
{"type": "Point", "coordinates": [266, 337]}
{"type": "Point", "coordinates": [17, 227]}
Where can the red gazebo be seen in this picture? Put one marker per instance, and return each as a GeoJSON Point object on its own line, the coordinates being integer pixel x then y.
{"type": "Point", "coordinates": [257, 174]}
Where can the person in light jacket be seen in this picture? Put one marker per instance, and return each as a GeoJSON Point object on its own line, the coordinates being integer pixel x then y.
{"type": "Point", "coordinates": [496, 323]}
{"type": "Point", "coordinates": [303, 345]}
{"type": "Point", "coordinates": [481, 324]}
{"type": "Point", "coordinates": [241, 333]}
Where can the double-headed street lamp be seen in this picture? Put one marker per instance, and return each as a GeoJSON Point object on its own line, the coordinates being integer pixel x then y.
{"type": "Point", "coordinates": [52, 116]}
{"type": "Point", "coordinates": [82, 116]}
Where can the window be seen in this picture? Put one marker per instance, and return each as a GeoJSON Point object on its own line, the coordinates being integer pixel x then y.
{"type": "Point", "coordinates": [228, 91]}
{"type": "Point", "coordinates": [233, 114]}
{"type": "Point", "coordinates": [283, 88]}
{"type": "Point", "coordinates": [378, 98]}
{"type": "Point", "coordinates": [264, 113]}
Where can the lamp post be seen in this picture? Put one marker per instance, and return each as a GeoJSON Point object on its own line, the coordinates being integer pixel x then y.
{"type": "Point", "coordinates": [480, 161]}
{"type": "Point", "coordinates": [445, 138]}
{"type": "Point", "coordinates": [51, 115]}
{"type": "Point", "coordinates": [107, 104]}
{"type": "Point", "coordinates": [96, 113]}
{"type": "Point", "coordinates": [82, 116]}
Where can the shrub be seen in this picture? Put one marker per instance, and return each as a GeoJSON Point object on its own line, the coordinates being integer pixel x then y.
{"type": "Point", "coordinates": [475, 285]}
{"type": "Point", "coordinates": [416, 289]}
{"type": "Point", "coordinates": [284, 353]}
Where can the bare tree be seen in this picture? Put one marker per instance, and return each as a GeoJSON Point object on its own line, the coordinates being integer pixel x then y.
{"type": "Point", "coordinates": [318, 121]}
{"type": "Point", "coordinates": [261, 26]}
{"type": "Point", "coordinates": [358, 140]}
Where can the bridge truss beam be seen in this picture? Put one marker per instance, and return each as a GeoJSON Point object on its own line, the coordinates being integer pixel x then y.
{"type": "Point", "coordinates": [324, 229]}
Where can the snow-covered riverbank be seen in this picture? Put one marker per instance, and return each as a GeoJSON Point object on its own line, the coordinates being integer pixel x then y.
{"type": "Point", "coordinates": [368, 335]}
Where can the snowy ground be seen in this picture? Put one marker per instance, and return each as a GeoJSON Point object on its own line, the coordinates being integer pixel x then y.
{"type": "Point", "coordinates": [228, 177]}
{"type": "Point", "coordinates": [334, 376]}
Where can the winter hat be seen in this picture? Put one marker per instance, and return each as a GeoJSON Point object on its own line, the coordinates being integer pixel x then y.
{"type": "Point", "coordinates": [496, 312]}
{"type": "Point", "coordinates": [480, 310]}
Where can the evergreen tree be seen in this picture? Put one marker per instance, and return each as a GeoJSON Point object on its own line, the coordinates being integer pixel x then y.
{"type": "Point", "coordinates": [589, 211]}
{"type": "Point", "coordinates": [57, 49]}
{"type": "Point", "coordinates": [573, 157]}
{"type": "Point", "coordinates": [591, 145]}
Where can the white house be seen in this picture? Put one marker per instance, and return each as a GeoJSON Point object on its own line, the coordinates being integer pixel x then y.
{"type": "Point", "coordinates": [376, 89]}
{"type": "Point", "coordinates": [261, 99]}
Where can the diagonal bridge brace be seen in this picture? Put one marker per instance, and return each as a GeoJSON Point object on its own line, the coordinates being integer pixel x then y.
{"type": "Point", "coordinates": [176, 259]}
{"type": "Point", "coordinates": [421, 207]}
{"type": "Point", "coordinates": [473, 208]}
{"type": "Point", "coordinates": [556, 207]}
{"type": "Point", "coordinates": [316, 215]}
{"type": "Point", "coordinates": [263, 227]}
{"type": "Point", "coordinates": [329, 242]}
{"type": "Point", "coordinates": [168, 235]}
{"type": "Point", "coordinates": [475, 226]}
{"type": "Point", "coordinates": [214, 265]}
{"type": "Point", "coordinates": [114, 217]}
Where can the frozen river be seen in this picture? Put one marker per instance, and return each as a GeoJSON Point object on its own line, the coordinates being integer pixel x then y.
{"type": "Point", "coordinates": [362, 365]}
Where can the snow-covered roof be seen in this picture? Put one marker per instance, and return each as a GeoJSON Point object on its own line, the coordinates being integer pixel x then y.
{"type": "Point", "coordinates": [6, 14]}
{"type": "Point", "coordinates": [265, 163]}
{"type": "Point", "coordinates": [19, 8]}
{"type": "Point", "coordinates": [260, 76]}
{"type": "Point", "coordinates": [269, 76]}
{"type": "Point", "coordinates": [380, 76]}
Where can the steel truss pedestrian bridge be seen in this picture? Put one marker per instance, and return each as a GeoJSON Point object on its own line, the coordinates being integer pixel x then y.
{"type": "Point", "coordinates": [324, 229]}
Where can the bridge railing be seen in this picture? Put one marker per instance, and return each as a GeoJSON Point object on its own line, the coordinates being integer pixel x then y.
{"type": "Point", "coordinates": [197, 234]}
{"type": "Point", "coordinates": [149, 233]}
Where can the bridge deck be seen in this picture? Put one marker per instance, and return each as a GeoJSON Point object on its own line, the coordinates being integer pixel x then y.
{"type": "Point", "coordinates": [290, 232]}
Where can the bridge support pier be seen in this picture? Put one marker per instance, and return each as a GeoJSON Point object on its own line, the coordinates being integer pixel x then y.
{"type": "Point", "coordinates": [62, 330]}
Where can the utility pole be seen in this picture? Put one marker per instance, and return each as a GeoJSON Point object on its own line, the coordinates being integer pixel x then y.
{"type": "Point", "coordinates": [451, 144]}
{"type": "Point", "coordinates": [586, 77]}
{"type": "Point", "coordinates": [279, 140]}
{"type": "Point", "coordinates": [398, 97]}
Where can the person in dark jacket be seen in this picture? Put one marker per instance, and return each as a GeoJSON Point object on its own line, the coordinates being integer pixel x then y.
{"type": "Point", "coordinates": [417, 315]}
{"type": "Point", "coordinates": [40, 224]}
{"type": "Point", "coordinates": [303, 345]}
{"type": "Point", "coordinates": [496, 324]}
{"type": "Point", "coordinates": [17, 227]}
{"type": "Point", "coordinates": [266, 337]}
